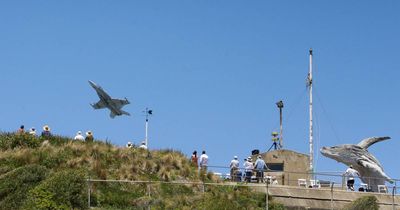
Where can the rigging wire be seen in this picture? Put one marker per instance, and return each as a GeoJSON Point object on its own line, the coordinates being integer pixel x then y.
{"type": "Point", "coordinates": [328, 118]}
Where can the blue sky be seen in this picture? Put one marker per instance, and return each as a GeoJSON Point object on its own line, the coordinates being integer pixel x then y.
{"type": "Point", "coordinates": [211, 71]}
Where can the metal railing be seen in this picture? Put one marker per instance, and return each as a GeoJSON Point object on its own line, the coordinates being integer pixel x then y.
{"type": "Point", "coordinates": [327, 180]}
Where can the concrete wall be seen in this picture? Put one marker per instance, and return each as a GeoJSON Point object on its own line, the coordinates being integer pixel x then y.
{"type": "Point", "coordinates": [295, 163]}
{"type": "Point", "coordinates": [312, 198]}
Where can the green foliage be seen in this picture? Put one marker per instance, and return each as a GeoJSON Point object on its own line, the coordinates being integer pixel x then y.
{"type": "Point", "coordinates": [14, 185]}
{"type": "Point", "coordinates": [63, 190]}
{"type": "Point", "coordinates": [50, 173]}
{"type": "Point", "coordinates": [232, 198]}
{"type": "Point", "coordinates": [364, 203]}
{"type": "Point", "coordinates": [116, 195]}
{"type": "Point", "coordinates": [11, 141]}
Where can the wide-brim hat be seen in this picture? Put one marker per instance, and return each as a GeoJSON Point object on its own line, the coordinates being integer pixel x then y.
{"type": "Point", "coordinates": [46, 128]}
{"type": "Point", "coordinates": [89, 133]}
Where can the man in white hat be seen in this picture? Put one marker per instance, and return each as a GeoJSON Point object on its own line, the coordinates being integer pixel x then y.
{"type": "Point", "coordinates": [79, 136]}
{"type": "Point", "coordinates": [234, 167]}
{"type": "Point", "coordinates": [248, 169]}
{"type": "Point", "coordinates": [260, 167]}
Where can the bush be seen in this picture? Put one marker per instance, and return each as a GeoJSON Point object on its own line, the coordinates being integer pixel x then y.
{"type": "Point", "coordinates": [364, 203]}
{"type": "Point", "coordinates": [14, 185]}
{"type": "Point", "coordinates": [63, 190]}
{"type": "Point", "coordinates": [11, 141]}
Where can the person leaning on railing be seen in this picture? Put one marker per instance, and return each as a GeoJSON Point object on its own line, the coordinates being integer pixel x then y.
{"type": "Point", "coordinates": [234, 165]}
{"type": "Point", "coordinates": [260, 167]}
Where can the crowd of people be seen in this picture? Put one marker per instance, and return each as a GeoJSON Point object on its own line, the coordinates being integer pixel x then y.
{"type": "Point", "coordinates": [46, 132]}
{"type": "Point", "coordinates": [259, 167]}
{"type": "Point", "coordinates": [141, 146]}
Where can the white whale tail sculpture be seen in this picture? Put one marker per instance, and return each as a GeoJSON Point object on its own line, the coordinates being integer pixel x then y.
{"type": "Point", "coordinates": [371, 171]}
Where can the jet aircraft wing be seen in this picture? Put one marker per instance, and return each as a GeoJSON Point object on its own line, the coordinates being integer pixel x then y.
{"type": "Point", "coordinates": [120, 102]}
{"type": "Point", "coordinates": [99, 105]}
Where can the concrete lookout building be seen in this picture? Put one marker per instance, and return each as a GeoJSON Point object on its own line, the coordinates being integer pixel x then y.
{"type": "Point", "coordinates": [287, 166]}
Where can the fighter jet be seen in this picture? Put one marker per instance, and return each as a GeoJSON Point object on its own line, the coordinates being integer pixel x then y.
{"type": "Point", "coordinates": [114, 105]}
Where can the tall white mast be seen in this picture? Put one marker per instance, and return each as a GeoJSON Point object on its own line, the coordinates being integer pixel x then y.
{"type": "Point", "coordinates": [309, 84]}
{"type": "Point", "coordinates": [148, 112]}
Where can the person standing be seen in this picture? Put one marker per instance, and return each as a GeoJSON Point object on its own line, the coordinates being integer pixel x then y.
{"type": "Point", "coordinates": [203, 162]}
{"type": "Point", "coordinates": [234, 168]}
{"type": "Point", "coordinates": [260, 166]}
{"type": "Point", "coordinates": [194, 159]}
{"type": "Point", "coordinates": [350, 174]}
{"type": "Point", "coordinates": [248, 169]}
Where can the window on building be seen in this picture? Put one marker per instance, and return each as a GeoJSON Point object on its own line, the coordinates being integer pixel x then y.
{"type": "Point", "coordinates": [275, 166]}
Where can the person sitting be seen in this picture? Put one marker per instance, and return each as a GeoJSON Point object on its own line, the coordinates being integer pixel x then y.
{"type": "Point", "coordinates": [79, 136]}
{"type": "Point", "coordinates": [274, 181]}
{"type": "Point", "coordinates": [143, 145]}
{"type": "Point", "coordinates": [21, 130]}
{"type": "Point", "coordinates": [89, 136]}
{"type": "Point", "coordinates": [129, 145]}
{"type": "Point", "coordinates": [46, 131]}
{"type": "Point", "coordinates": [32, 131]}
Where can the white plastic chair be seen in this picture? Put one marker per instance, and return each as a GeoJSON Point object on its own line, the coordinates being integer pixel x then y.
{"type": "Point", "coordinates": [302, 182]}
{"type": "Point", "coordinates": [314, 183]}
{"type": "Point", "coordinates": [364, 186]}
{"type": "Point", "coordinates": [382, 189]}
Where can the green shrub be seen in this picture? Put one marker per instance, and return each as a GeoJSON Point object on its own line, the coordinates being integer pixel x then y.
{"type": "Point", "coordinates": [14, 185]}
{"type": "Point", "coordinates": [62, 190]}
{"type": "Point", "coordinates": [12, 140]}
{"type": "Point", "coordinates": [364, 203]}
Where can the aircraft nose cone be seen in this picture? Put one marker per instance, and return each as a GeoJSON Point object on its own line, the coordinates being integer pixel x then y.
{"type": "Point", "coordinates": [92, 84]}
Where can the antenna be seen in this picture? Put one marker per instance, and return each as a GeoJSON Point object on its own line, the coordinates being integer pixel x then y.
{"type": "Point", "coordinates": [309, 85]}
{"type": "Point", "coordinates": [280, 106]}
{"type": "Point", "coordinates": [148, 112]}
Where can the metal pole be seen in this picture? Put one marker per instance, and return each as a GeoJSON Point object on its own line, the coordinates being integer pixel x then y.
{"type": "Point", "coordinates": [281, 128]}
{"type": "Point", "coordinates": [332, 194]}
{"type": "Point", "coordinates": [310, 82]}
{"type": "Point", "coordinates": [88, 192]}
{"type": "Point", "coordinates": [393, 190]}
{"type": "Point", "coordinates": [147, 127]}
{"type": "Point", "coordinates": [266, 197]}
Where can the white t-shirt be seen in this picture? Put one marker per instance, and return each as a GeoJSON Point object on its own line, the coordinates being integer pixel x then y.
{"type": "Point", "coordinates": [234, 163]}
{"type": "Point", "coordinates": [351, 173]}
{"type": "Point", "coordinates": [203, 160]}
{"type": "Point", "coordinates": [248, 166]}
{"type": "Point", "coordinates": [143, 146]}
{"type": "Point", "coordinates": [79, 137]}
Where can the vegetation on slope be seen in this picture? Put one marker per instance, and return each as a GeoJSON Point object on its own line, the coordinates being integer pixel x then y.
{"type": "Point", "coordinates": [52, 173]}
{"type": "Point", "coordinates": [364, 203]}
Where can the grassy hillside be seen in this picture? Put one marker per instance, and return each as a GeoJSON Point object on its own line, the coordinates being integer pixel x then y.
{"type": "Point", "coordinates": [51, 173]}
